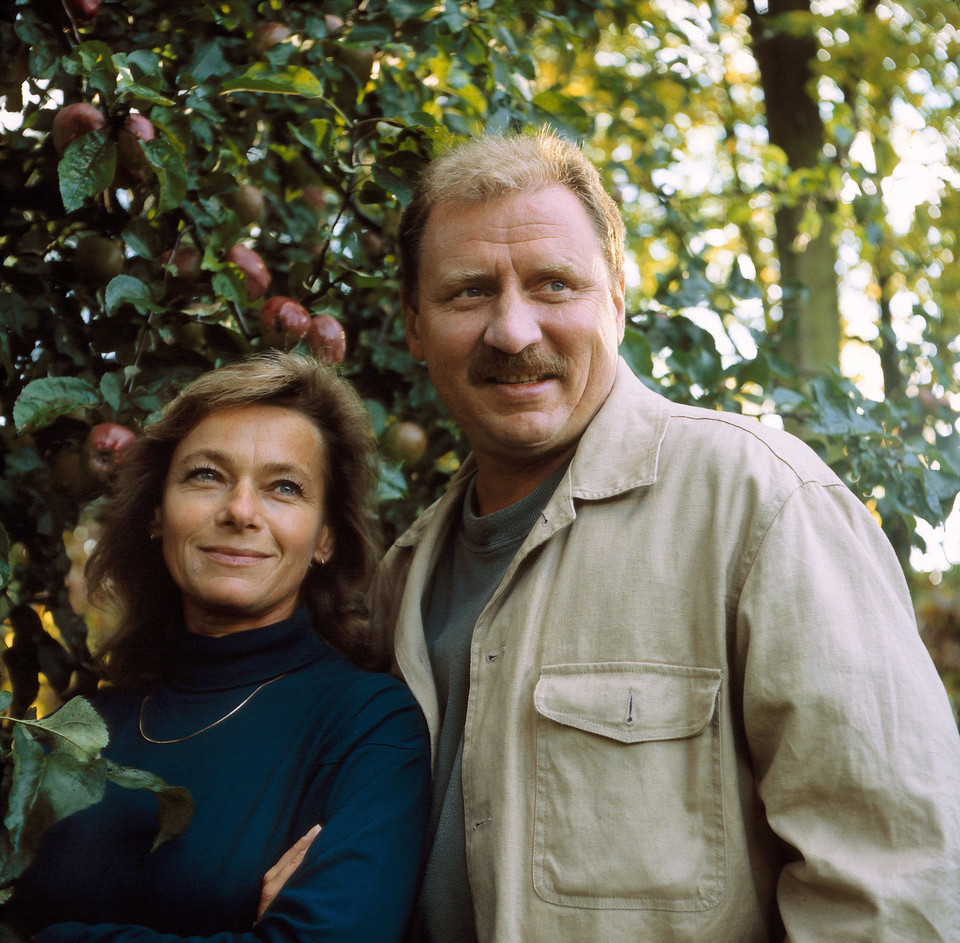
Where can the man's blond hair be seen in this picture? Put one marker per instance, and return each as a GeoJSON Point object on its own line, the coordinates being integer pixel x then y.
{"type": "Point", "coordinates": [489, 167]}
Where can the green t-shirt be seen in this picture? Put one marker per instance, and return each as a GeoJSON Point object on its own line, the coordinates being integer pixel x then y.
{"type": "Point", "coordinates": [476, 555]}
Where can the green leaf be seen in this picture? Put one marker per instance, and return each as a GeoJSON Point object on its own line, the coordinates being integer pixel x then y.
{"type": "Point", "coordinates": [111, 389]}
{"type": "Point", "coordinates": [88, 56]}
{"type": "Point", "coordinates": [86, 168]}
{"type": "Point", "coordinates": [174, 811]}
{"type": "Point", "coordinates": [44, 788]}
{"type": "Point", "coordinates": [378, 415]}
{"type": "Point", "coordinates": [142, 93]}
{"type": "Point", "coordinates": [393, 485]}
{"type": "Point", "coordinates": [207, 60]}
{"type": "Point", "coordinates": [76, 729]}
{"type": "Point", "coordinates": [290, 80]}
{"type": "Point", "coordinates": [785, 399]}
{"type": "Point", "coordinates": [740, 286]}
{"type": "Point", "coordinates": [635, 350]}
{"type": "Point", "coordinates": [94, 61]}
{"type": "Point", "coordinates": [171, 172]}
{"type": "Point", "coordinates": [6, 699]}
{"type": "Point", "coordinates": [146, 60]}
{"type": "Point", "coordinates": [227, 286]}
{"type": "Point", "coordinates": [939, 489]}
{"type": "Point", "coordinates": [44, 400]}
{"type": "Point", "coordinates": [315, 134]}
{"type": "Point", "coordinates": [125, 289]}
{"type": "Point", "coordinates": [174, 803]}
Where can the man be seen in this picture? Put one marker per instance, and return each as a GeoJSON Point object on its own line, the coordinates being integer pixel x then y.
{"type": "Point", "coordinates": [668, 661]}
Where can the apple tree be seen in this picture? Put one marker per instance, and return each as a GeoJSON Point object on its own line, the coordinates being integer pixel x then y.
{"type": "Point", "coordinates": [180, 186]}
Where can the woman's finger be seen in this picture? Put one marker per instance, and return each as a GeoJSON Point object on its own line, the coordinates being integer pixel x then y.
{"type": "Point", "coordinates": [277, 876]}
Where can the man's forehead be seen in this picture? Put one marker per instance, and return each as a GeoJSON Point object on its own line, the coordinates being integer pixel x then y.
{"type": "Point", "coordinates": [513, 220]}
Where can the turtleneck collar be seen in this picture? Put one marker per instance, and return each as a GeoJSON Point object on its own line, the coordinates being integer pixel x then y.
{"type": "Point", "coordinates": [208, 664]}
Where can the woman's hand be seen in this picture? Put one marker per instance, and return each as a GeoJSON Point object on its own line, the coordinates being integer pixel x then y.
{"type": "Point", "coordinates": [277, 876]}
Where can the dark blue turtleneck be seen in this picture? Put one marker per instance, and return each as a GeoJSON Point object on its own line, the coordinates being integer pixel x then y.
{"type": "Point", "coordinates": [326, 743]}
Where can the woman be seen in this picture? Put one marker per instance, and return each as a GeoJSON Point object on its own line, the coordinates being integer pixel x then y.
{"type": "Point", "coordinates": [239, 544]}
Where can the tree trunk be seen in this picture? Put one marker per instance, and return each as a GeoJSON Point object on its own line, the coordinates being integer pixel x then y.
{"type": "Point", "coordinates": [811, 313]}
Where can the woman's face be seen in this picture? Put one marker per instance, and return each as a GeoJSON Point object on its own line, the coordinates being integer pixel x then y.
{"type": "Point", "coordinates": [242, 517]}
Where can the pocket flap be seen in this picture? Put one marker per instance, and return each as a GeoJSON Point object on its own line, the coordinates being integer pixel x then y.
{"type": "Point", "coordinates": [629, 701]}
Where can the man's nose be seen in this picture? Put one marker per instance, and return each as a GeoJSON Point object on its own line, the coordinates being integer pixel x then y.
{"type": "Point", "coordinates": [514, 324]}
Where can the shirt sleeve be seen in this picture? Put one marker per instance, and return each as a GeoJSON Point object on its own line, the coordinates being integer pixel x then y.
{"type": "Point", "coordinates": [855, 749]}
{"type": "Point", "coordinates": [358, 879]}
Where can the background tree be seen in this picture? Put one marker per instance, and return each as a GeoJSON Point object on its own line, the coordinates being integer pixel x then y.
{"type": "Point", "coordinates": [235, 173]}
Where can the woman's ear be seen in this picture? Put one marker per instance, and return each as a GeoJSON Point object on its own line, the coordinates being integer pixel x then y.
{"type": "Point", "coordinates": [325, 544]}
{"type": "Point", "coordinates": [156, 525]}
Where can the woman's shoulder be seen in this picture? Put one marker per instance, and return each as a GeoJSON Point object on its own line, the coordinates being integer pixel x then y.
{"type": "Point", "coordinates": [348, 680]}
{"type": "Point", "coordinates": [362, 699]}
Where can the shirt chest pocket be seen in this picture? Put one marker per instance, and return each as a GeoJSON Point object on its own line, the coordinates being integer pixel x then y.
{"type": "Point", "coordinates": [629, 794]}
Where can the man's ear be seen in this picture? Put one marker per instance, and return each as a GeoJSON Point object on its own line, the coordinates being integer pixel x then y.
{"type": "Point", "coordinates": [407, 305]}
{"type": "Point", "coordinates": [620, 306]}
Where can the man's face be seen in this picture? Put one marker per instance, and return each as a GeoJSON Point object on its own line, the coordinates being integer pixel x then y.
{"type": "Point", "coordinates": [518, 322]}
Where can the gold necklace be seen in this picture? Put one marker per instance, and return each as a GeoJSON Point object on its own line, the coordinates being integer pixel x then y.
{"type": "Point", "coordinates": [196, 733]}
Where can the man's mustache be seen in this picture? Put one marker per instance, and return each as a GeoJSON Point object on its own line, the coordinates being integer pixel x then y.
{"type": "Point", "coordinates": [492, 364]}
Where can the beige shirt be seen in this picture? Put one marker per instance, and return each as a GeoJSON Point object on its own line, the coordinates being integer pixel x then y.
{"type": "Point", "coordinates": [699, 707]}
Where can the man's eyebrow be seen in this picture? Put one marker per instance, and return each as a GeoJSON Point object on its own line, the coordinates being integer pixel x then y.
{"type": "Point", "coordinates": [457, 278]}
{"type": "Point", "coordinates": [558, 267]}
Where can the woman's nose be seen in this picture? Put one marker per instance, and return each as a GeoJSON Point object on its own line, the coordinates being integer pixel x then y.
{"type": "Point", "coordinates": [241, 507]}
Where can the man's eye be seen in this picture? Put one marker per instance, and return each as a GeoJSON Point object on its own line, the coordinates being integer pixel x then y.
{"type": "Point", "coordinates": [471, 292]}
{"type": "Point", "coordinates": [556, 285]}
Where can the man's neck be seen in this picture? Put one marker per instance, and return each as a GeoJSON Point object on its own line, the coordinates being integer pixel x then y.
{"type": "Point", "coordinates": [500, 484]}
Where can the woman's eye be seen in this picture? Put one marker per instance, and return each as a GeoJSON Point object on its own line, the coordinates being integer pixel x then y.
{"type": "Point", "coordinates": [201, 474]}
{"type": "Point", "coordinates": [288, 488]}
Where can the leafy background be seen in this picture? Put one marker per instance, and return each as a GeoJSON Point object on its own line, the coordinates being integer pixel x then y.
{"type": "Point", "coordinates": [778, 264]}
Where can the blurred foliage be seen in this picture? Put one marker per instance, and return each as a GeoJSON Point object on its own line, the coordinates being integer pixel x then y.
{"type": "Point", "coordinates": [938, 612]}
{"type": "Point", "coordinates": [303, 143]}
{"type": "Point", "coordinates": [55, 770]}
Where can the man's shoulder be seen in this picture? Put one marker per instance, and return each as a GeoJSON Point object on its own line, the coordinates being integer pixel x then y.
{"type": "Point", "coordinates": [640, 436]}
{"type": "Point", "coordinates": [744, 444]}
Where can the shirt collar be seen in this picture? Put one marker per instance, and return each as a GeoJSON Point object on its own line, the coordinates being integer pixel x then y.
{"type": "Point", "coordinates": [618, 451]}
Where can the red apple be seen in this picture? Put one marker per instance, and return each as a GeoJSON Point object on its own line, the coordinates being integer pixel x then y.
{"type": "Point", "coordinates": [326, 339]}
{"type": "Point", "coordinates": [283, 320]}
{"type": "Point", "coordinates": [404, 442]}
{"type": "Point", "coordinates": [268, 35]}
{"type": "Point", "coordinates": [185, 261]}
{"type": "Point", "coordinates": [71, 121]}
{"type": "Point", "coordinates": [132, 163]}
{"type": "Point", "coordinates": [255, 273]}
{"type": "Point", "coordinates": [82, 9]}
{"type": "Point", "coordinates": [105, 446]}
